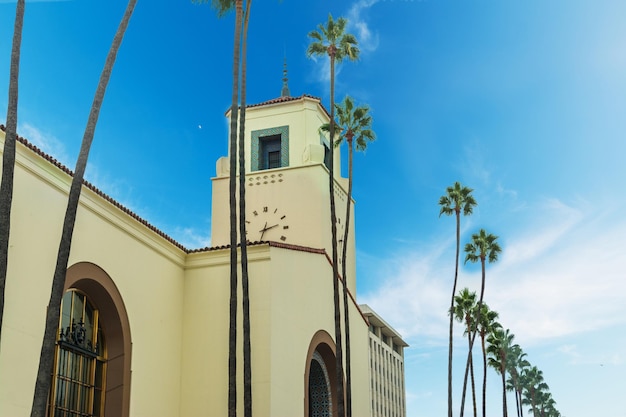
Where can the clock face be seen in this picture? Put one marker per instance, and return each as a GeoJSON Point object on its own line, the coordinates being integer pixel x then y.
{"type": "Point", "coordinates": [266, 223]}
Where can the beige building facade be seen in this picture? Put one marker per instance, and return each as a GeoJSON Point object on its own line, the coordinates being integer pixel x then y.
{"type": "Point", "coordinates": [386, 362]}
{"type": "Point", "coordinates": [144, 323]}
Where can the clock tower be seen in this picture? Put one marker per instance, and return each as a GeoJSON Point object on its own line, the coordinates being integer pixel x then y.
{"type": "Point", "coordinates": [287, 197]}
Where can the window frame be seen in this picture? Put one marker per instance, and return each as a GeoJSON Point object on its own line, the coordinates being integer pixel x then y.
{"type": "Point", "coordinates": [257, 160]}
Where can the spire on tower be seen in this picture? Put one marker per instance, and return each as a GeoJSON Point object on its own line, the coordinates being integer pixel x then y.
{"type": "Point", "coordinates": [285, 91]}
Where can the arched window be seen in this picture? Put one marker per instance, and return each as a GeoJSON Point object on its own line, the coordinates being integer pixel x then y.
{"type": "Point", "coordinates": [320, 395]}
{"type": "Point", "coordinates": [320, 399]}
{"type": "Point", "coordinates": [78, 387]}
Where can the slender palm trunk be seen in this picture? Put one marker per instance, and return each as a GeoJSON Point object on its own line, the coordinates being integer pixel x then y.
{"type": "Point", "coordinates": [333, 225]}
{"type": "Point", "coordinates": [344, 248]}
{"type": "Point", "coordinates": [247, 350]}
{"type": "Point", "coordinates": [46, 359]}
{"type": "Point", "coordinates": [473, 333]}
{"type": "Point", "coordinates": [456, 275]}
{"type": "Point", "coordinates": [469, 367]}
{"type": "Point", "coordinates": [232, 329]}
{"type": "Point", "coordinates": [482, 342]}
{"type": "Point", "coordinates": [8, 156]}
{"type": "Point", "coordinates": [503, 375]}
{"type": "Point", "coordinates": [473, 383]}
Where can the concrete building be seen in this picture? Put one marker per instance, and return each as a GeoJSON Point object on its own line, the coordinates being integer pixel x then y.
{"type": "Point", "coordinates": [386, 356]}
{"type": "Point", "coordinates": [144, 326]}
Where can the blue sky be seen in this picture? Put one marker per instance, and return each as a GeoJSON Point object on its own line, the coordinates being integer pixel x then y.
{"type": "Point", "coordinates": [524, 101]}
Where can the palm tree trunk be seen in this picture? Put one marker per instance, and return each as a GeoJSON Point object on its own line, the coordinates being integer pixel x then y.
{"type": "Point", "coordinates": [473, 385]}
{"type": "Point", "coordinates": [473, 333]}
{"type": "Point", "coordinates": [8, 156]}
{"type": "Point", "coordinates": [456, 274]}
{"type": "Point", "coordinates": [46, 359]}
{"type": "Point", "coordinates": [247, 350]}
{"type": "Point", "coordinates": [467, 367]}
{"type": "Point", "coordinates": [333, 225]}
{"type": "Point", "coordinates": [232, 330]}
{"type": "Point", "coordinates": [503, 374]}
{"type": "Point", "coordinates": [482, 339]}
{"type": "Point", "coordinates": [345, 283]}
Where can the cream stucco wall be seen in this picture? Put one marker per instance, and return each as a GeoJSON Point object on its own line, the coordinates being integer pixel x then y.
{"type": "Point", "coordinates": [177, 301]}
{"type": "Point", "coordinates": [147, 269]}
{"type": "Point", "coordinates": [290, 300]}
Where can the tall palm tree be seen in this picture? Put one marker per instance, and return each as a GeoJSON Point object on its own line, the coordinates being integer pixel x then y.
{"type": "Point", "coordinates": [332, 40]}
{"type": "Point", "coordinates": [516, 365]}
{"type": "Point", "coordinates": [533, 382]}
{"type": "Point", "coordinates": [46, 359]}
{"type": "Point", "coordinates": [356, 129]}
{"type": "Point", "coordinates": [223, 7]}
{"type": "Point", "coordinates": [245, 287]}
{"type": "Point", "coordinates": [483, 247]}
{"type": "Point", "coordinates": [465, 312]}
{"type": "Point", "coordinates": [458, 199]}
{"type": "Point", "coordinates": [499, 345]}
{"type": "Point", "coordinates": [486, 325]}
{"type": "Point", "coordinates": [8, 156]}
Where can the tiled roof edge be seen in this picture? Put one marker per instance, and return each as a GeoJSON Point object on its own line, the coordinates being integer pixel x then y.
{"type": "Point", "coordinates": [96, 190]}
{"type": "Point", "coordinates": [286, 100]}
{"type": "Point", "coordinates": [264, 242]}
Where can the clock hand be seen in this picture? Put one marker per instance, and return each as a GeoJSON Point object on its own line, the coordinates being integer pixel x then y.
{"type": "Point", "coordinates": [263, 231]}
{"type": "Point", "coordinates": [266, 228]}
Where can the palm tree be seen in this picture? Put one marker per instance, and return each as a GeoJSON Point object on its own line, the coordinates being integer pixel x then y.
{"type": "Point", "coordinates": [516, 365]}
{"type": "Point", "coordinates": [533, 383]}
{"type": "Point", "coordinates": [8, 156]}
{"type": "Point", "coordinates": [499, 345]}
{"type": "Point", "coordinates": [245, 288]}
{"type": "Point", "coordinates": [465, 312]}
{"type": "Point", "coordinates": [46, 359]}
{"type": "Point", "coordinates": [332, 40]}
{"type": "Point", "coordinates": [355, 124]}
{"type": "Point", "coordinates": [486, 325]}
{"type": "Point", "coordinates": [483, 247]}
{"type": "Point", "coordinates": [223, 7]}
{"type": "Point", "coordinates": [457, 199]}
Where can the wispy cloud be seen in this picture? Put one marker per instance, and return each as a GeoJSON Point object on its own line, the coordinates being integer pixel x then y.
{"type": "Point", "coordinates": [47, 142]}
{"type": "Point", "coordinates": [192, 238]}
{"type": "Point", "coordinates": [560, 274]}
{"type": "Point", "coordinates": [358, 24]}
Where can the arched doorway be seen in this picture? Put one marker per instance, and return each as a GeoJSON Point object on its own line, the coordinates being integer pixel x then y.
{"type": "Point", "coordinates": [90, 285]}
{"type": "Point", "coordinates": [320, 396]}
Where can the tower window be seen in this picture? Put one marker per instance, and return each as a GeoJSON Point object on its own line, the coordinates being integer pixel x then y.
{"type": "Point", "coordinates": [270, 152]}
{"type": "Point", "coordinates": [269, 148]}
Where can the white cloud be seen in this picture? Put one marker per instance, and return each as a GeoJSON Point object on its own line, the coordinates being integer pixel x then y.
{"type": "Point", "coordinates": [47, 142]}
{"type": "Point", "coordinates": [357, 24]}
{"type": "Point", "coordinates": [366, 38]}
{"type": "Point", "coordinates": [191, 238]}
{"type": "Point", "coordinates": [560, 274]}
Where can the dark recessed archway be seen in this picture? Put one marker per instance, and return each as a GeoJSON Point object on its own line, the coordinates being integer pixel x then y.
{"type": "Point", "coordinates": [320, 386]}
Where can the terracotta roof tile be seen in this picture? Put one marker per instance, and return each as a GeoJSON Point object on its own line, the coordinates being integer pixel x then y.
{"type": "Point", "coordinates": [283, 99]}
{"type": "Point", "coordinates": [93, 188]}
